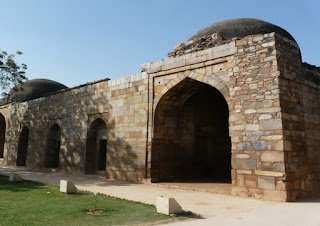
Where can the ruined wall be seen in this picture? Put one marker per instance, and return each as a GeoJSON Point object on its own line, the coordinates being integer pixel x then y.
{"type": "Point", "coordinates": [271, 138]}
{"type": "Point", "coordinates": [246, 73]}
{"type": "Point", "coordinates": [258, 161]}
{"type": "Point", "coordinates": [6, 114]}
{"type": "Point", "coordinates": [300, 109]}
{"type": "Point", "coordinates": [121, 103]}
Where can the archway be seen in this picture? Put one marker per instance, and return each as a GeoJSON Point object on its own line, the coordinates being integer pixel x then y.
{"type": "Point", "coordinates": [53, 147]}
{"type": "Point", "coordinates": [23, 147]}
{"type": "Point", "coordinates": [191, 134]}
{"type": "Point", "coordinates": [96, 152]}
{"type": "Point", "coordinates": [2, 134]}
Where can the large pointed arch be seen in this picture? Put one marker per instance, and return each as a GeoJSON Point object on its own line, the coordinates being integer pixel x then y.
{"type": "Point", "coordinates": [197, 75]}
{"type": "Point", "coordinates": [191, 134]}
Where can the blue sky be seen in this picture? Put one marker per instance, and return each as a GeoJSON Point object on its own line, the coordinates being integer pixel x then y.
{"type": "Point", "coordinates": [79, 41]}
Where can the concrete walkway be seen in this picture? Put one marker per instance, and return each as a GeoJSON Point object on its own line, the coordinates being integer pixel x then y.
{"type": "Point", "coordinates": [216, 209]}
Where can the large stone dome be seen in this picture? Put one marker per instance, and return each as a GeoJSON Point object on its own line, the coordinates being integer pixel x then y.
{"type": "Point", "coordinates": [33, 89]}
{"type": "Point", "coordinates": [241, 27]}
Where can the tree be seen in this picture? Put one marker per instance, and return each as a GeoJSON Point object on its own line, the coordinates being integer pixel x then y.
{"type": "Point", "coordinates": [12, 74]}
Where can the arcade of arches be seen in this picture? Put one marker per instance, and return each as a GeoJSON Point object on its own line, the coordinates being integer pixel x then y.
{"type": "Point", "coordinates": [191, 134]}
{"type": "Point", "coordinates": [96, 146]}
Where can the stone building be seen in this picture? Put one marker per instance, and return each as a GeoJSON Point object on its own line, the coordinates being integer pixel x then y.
{"type": "Point", "coordinates": [233, 103]}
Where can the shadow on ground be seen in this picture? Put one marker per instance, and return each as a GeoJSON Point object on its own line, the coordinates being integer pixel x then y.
{"type": "Point", "coordinates": [22, 186]}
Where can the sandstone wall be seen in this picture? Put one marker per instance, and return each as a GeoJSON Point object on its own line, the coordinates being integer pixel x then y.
{"type": "Point", "coordinates": [273, 104]}
{"type": "Point", "coordinates": [121, 103]}
{"type": "Point", "coordinates": [246, 73]}
{"type": "Point", "coordinates": [300, 109]}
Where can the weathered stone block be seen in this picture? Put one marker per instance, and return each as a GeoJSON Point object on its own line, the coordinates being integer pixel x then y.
{"type": "Point", "coordinates": [253, 127]}
{"type": "Point", "coordinates": [237, 127]}
{"type": "Point", "coordinates": [167, 205]}
{"type": "Point", "coordinates": [196, 60]}
{"type": "Point", "coordinates": [173, 65]}
{"type": "Point", "coordinates": [240, 180]}
{"type": "Point", "coordinates": [244, 146]}
{"type": "Point", "coordinates": [271, 124]}
{"type": "Point", "coordinates": [251, 184]}
{"type": "Point", "coordinates": [67, 187]}
{"type": "Point", "coordinates": [14, 177]}
{"type": "Point", "coordinates": [250, 111]}
{"type": "Point", "coordinates": [265, 116]}
{"type": "Point", "coordinates": [279, 167]}
{"type": "Point", "coordinates": [272, 156]}
{"type": "Point", "coordinates": [268, 44]}
{"type": "Point", "coordinates": [269, 173]}
{"type": "Point", "coordinates": [222, 53]}
{"type": "Point", "coordinates": [278, 145]}
{"type": "Point", "coordinates": [243, 156]}
{"type": "Point", "coordinates": [280, 196]}
{"type": "Point", "coordinates": [266, 182]}
{"type": "Point", "coordinates": [245, 164]}
{"type": "Point", "coordinates": [281, 185]}
{"type": "Point", "coordinates": [260, 145]}
{"type": "Point", "coordinates": [247, 172]}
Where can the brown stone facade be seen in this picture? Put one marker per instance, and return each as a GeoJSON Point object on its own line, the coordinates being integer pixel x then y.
{"type": "Point", "coordinates": [243, 110]}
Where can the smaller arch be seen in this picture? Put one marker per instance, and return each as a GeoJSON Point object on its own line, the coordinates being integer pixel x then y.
{"type": "Point", "coordinates": [53, 147]}
{"type": "Point", "coordinates": [96, 147]}
{"type": "Point", "coordinates": [23, 147]}
{"type": "Point", "coordinates": [2, 134]}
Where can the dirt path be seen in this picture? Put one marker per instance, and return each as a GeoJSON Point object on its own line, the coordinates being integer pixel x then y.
{"type": "Point", "coordinates": [216, 209]}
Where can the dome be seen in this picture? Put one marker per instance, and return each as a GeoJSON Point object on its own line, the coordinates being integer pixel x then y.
{"type": "Point", "coordinates": [33, 89]}
{"type": "Point", "coordinates": [241, 27]}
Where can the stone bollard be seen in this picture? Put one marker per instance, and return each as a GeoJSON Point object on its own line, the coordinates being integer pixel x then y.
{"type": "Point", "coordinates": [14, 177]}
{"type": "Point", "coordinates": [67, 187]}
{"type": "Point", "coordinates": [167, 205]}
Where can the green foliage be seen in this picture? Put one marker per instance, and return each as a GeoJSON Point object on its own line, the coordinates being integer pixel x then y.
{"type": "Point", "coordinates": [11, 73]}
{"type": "Point", "coordinates": [93, 206]}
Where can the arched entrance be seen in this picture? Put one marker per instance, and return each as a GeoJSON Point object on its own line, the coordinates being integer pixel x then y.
{"type": "Point", "coordinates": [53, 147]}
{"type": "Point", "coordinates": [96, 152]}
{"type": "Point", "coordinates": [23, 147]}
{"type": "Point", "coordinates": [191, 134]}
{"type": "Point", "coordinates": [2, 134]}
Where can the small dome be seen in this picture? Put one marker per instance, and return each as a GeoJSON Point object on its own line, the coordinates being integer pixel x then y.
{"type": "Point", "coordinates": [241, 27]}
{"type": "Point", "coordinates": [33, 89]}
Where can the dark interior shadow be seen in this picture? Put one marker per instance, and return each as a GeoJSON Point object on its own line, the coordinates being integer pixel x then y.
{"type": "Point", "coordinates": [201, 181]}
{"type": "Point", "coordinates": [308, 200]}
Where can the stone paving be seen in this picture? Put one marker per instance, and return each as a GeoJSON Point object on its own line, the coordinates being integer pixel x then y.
{"type": "Point", "coordinates": [214, 208]}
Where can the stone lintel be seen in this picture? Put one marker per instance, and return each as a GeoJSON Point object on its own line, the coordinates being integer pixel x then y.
{"type": "Point", "coordinates": [269, 173]}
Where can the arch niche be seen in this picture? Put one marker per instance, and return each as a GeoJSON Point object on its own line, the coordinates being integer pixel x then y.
{"type": "Point", "coordinates": [53, 147]}
{"type": "Point", "coordinates": [2, 134]}
{"type": "Point", "coordinates": [96, 147]}
{"type": "Point", "coordinates": [23, 147]}
{"type": "Point", "coordinates": [191, 134]}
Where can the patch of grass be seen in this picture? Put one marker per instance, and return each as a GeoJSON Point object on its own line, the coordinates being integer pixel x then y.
{"type": "Point", "coordinates": [29, 203]}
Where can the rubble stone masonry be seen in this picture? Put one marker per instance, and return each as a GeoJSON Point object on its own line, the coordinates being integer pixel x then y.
{"type": "Point", "coordinates": [274, 117]}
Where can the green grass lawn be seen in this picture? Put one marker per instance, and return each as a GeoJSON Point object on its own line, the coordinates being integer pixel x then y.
{"type": "Point", "coordinates": [29, 203]}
